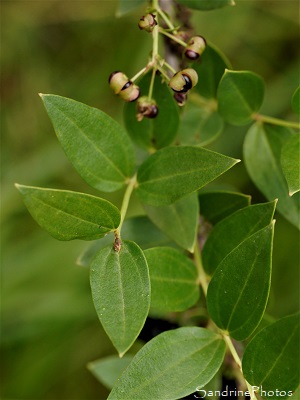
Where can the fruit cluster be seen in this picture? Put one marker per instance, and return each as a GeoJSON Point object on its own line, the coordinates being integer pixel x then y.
{"type": "Point", "coordinates": [181, 81]}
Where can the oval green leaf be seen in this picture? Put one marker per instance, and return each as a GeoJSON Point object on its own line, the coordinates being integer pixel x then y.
{"type": "Point", "coordinates": [238, 292]}
{"type": "Point", "coordinates": [97, 146]}
{"type": "Point", "coordinates": [107, 370]}
{"type": "Point", "coordinates": [205, 5]}
{"type": "Point", "coordinates": [271, 359]}
{"type": "Point", "coordinates": [156, 132]}
{"type": "Point", "coordinates": [240, 94]}
{"type": "Point", "coordinates": [241, 225]}
{"type": "Point", "coordinates": [121, 292]}
{"type": "Point", "coordinates": [262, 148]}
{"type": "Point", "coordinates": [173, 172]}
{"type": "Point", "coordinates": [199, 126]}
{"type": "Point", "coordinates": [290, 162]}
{"type": "Point", "coordinates": [70, 215]}
{"type": "Point", "coordinates": [296, 101]}
{"type": "Point", "coordinates": [171, 366]}
{"type": "Point", "coordinates": [217, 205]}
{"type": "Point", "coordinates": [137, 229]}
{"type": "Point", "coordinates": [178, 220]}
{"type": "Point", "coordinates": [210, 71]}
{"type": "Point", "coordinates": [173, 277]}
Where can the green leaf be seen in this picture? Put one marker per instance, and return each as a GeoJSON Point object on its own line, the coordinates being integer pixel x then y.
{"type": "Point", "coordinates": [199, 126]}
{"type": "Point", "coordinates": [156, 132]}
{"type": "Point", "coordinates": [271, 359]}
{"type": "Point", "coordinates": [171, 366]}
{"type": "Point", "coordinates": [173, 277]}
{"type": "Point", "coordinates": [217, 205]}
{"type": "Point", "coordinates": [290, 162]}
{"type": "Point", "coordinates": [70, 215]}
{"type": "Point", "coordinates": [107, 370]}
{"type": "Point", "coordinates": [178, 220]}
{"type": "Point", "coordinates": [262, 148]}
{"type": "Point", "coordinates": [238, 291]}
{"type": "Point", "coordinates": [97, 146]}
{"type": "Point", "coordinates": [121, 292]}
{"type": "Point", "coordinates": [138, 229]}
{"type": "Point", "coordinates": [242, 224]}
{"type": "Point", "coordinates": [296, 101]}
{"type": "Point", "coordinates": [210, 71]}
{"type": "Point", "coordinates": [205, 5]}
{"type": "Point", "coordinates": [173, 172]}
{"type": "Point", "coordinates": [240, 94]}
{"type": "Point", "coordinates": [126, 6]}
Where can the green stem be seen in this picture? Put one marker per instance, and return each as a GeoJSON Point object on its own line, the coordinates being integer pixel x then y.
{"type": "Point", "coordinates": [174, 38]}
{"type": "Point", "coordinates": [202, 279]}
{"type": "Point", "coordinates": [275, 121]}
{"type": "Point", "coordinates": [161, 70]}
{"type": "Point", "coordinates": [237, 359]}
{"type": "Point", "coordinates": [125, 203]}
{"type": "Point", "coordinates": [165, 18]}
{"type": "Point", "coordinates": [151, 84]}
{"type": "Point", "coordinates": [141, 72]}
{"type": "Point", "coordinates": [169, 67]}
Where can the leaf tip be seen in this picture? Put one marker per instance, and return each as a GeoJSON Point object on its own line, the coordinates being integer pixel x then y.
{"type": "Point", "coordinates": [18, 187]}
{"type": "Point", "coordinates": [232, 3]}
{"type": "Point", "coordinates": [41, 95]}
{"type": "Point", "coordinates": [122, 354]}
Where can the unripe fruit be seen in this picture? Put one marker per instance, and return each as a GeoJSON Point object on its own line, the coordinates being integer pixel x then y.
{"type": "Point", "coordinates": [147, 22]}
{"type": "Point", "coordinates": [184, 80]}
{"type": "Point", "coordinates": [195, 47]}
{"type": "Point", "coordinates": [117, 80]}
{"type": "Point", "coordinates": [123, 87]}
{"type": "Point", "coordinates": [146, 108]}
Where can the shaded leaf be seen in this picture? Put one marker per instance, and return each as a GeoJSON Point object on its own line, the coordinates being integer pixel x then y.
{"type": "Point", "coordinates": [271, 359]}
{"type": "Point", "coordinates": [217, 205]}
{"type": "Point", "coordinates": [70, 215]}
{"type": "Point", "coordinates": [107, 370]}
{"type": "Point", "coordinates": [137, 229]}
{"type": "Point", "coordinates": [205, 5]}
{"type": "Point", "coordinates": [171, 366]}
{"type": "Point", "coordinates": [241, 224]}
{"type": "Point", "coordinates": [153, 132]}
{"type": "Point", "coordinates": [210, 71]}
{"type": "Point", "coordinates": [126, 6]}
{"type": "Point", "coordinates": [97, 146]}
{"type": "Point", "coordinates": [173, 172]}
{"type": "Point", "coordinates": [262, 148]}
{"type": "Point", "coordinates": [173, 277]}
{"type": "Point", "coordinates": [240, 94]}
{"type": "Point", "coordinates": [121, 292]}
{"type": "Point", "coordinates": [296, 101]}
{"type": "Point", "coordinates": [178, 220]}
{"type": "Point", "coordinates": [199, 126]}
{"type": "Point", "coordinates": [238, 291]}
{"type": "Point", "coordinates": [290, 162]}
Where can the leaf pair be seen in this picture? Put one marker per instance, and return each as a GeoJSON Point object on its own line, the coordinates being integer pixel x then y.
{"type": "Point", "coordinates": [238, 256]}
{"type": "Point", "coordinates": [103, 155]}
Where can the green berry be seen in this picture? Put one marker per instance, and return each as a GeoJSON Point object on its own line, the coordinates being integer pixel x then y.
{"type": "Point", "coordinates": [195, 47]}
{"type": "Point", "coordinates": [184, 80]}
{"type": "Point", "coordinates": [146, 108]}
{"type": "Point", "coordinates": [123, 87]}
{"type": "Point", "coordinates": [147, 22]}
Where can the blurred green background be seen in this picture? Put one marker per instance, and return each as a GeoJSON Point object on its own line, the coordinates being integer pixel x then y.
{"type": "Point", "coordinates": [49, 327]}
